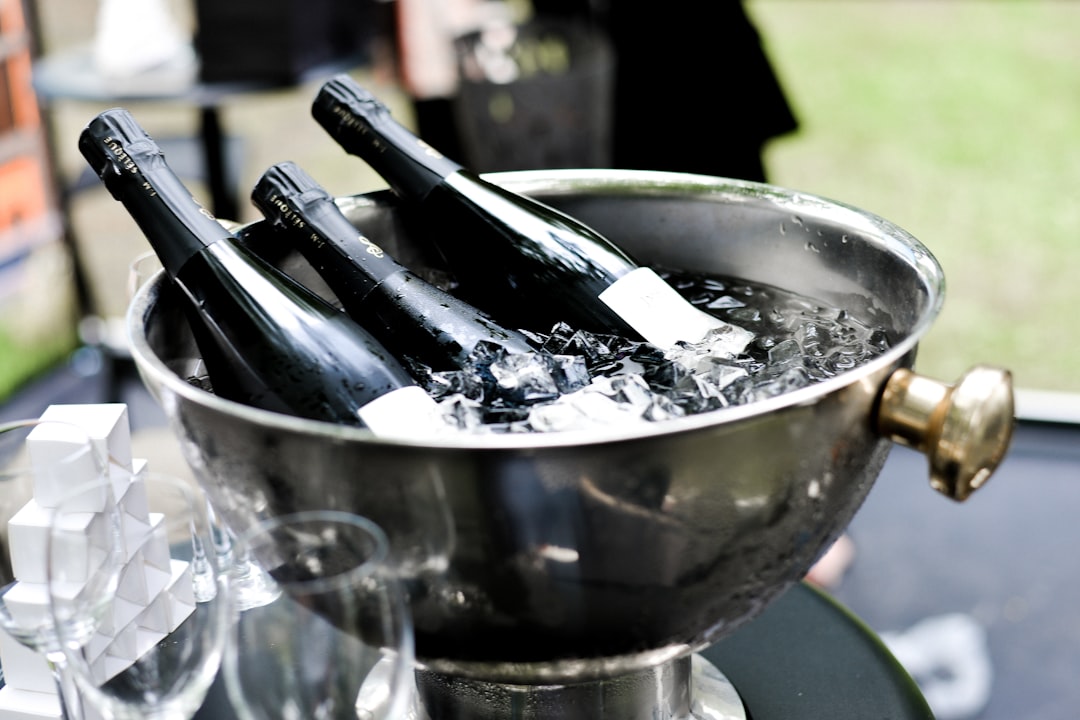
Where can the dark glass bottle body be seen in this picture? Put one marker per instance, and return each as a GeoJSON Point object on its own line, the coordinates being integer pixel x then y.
{"type": "Point", "coordinates": [524, 262]}
{"type": "Point", "coordinates": [411, 317]}
{"type": "Point", "coordinates": [267, 341]}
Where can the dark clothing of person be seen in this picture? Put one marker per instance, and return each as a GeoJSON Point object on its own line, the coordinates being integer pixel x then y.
{"type": "Point", "coordinates": [694, 90]}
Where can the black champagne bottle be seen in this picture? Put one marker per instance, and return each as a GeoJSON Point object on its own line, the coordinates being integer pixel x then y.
{"type": "Point", "coordinates": [526, 263]}
{"type": "Point", "coordinates": [267, 340]}
{"type": "Point", "coordinates": [411, 317]}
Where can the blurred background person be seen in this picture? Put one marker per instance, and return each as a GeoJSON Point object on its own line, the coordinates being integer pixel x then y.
{"type": "Point", "coordinates": [427, 65]}
{"type": "Point", "coordinates": [693, 89]}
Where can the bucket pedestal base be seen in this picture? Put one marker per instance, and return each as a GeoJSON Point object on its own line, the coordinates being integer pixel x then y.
{"type": "Point", "coordinates": [689, 688]}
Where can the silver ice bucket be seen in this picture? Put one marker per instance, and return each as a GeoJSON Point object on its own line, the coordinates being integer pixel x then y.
{"type": "Point", "coordinates": [572, 556]}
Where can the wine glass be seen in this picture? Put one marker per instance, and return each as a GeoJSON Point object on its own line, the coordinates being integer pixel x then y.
{"type": "Point", "coordinates": [249, 586]}
{"type": "Point", "coordinates": [41, 463]}
{"type": "Point", "coordinates": [337, 641]}
{"type": "Point", "coordinates": [160, 646]}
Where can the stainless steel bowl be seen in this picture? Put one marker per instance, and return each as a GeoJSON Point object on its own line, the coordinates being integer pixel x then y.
{"type": "Point", "coordinates": [581, 555]}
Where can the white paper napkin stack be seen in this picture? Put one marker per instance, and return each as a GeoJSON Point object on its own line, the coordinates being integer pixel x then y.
{"type": "Point", "coordinates": [154, 595]}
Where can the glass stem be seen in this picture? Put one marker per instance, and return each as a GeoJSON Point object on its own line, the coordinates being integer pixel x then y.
{"type": "Point", "coordinates": [66, 689]}
{"type": "Point", "coordinates": [249, 583]}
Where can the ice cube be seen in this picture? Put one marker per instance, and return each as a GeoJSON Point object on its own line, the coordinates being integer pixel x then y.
{"type": "Point", "coordinates": [466, 383]}
{"type": "Point", "coordinates": [793, 379]}
{"type": "Point", "coordinates": [569, 372]}
{"type": "Point", "coordinates": [524, 378]}
{"type": "Point", "coordinates": [725, 302]}
{"type": "Point", "coordinates": [462, 412]}
{"type": "Point", "coordinates": [785, 354]}
{"type": "Point", "coordinates": [633, 391]}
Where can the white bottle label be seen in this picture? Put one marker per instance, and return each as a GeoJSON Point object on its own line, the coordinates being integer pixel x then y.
{"type": "Point", "coordinates": [407, 412]}
{"type": "Point", "coordinates": [661, 315]}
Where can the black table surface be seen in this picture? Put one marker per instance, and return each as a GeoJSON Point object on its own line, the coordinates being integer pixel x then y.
{"type": "Point", "coordinates": [804, 657]}
{"type": "Point", "coordinates": [1007, 558]}
{"type": "Point", "coordinates": [808, 657]}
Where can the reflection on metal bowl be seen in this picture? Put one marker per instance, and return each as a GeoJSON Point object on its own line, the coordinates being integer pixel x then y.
{"type": "Point", "coordinates": [581, 555]}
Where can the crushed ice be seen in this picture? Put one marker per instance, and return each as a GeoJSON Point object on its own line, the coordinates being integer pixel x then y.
{"type": "Point", "coordinates": [775, 342]}
{"type": "Point", "coordinates": [778, 342]}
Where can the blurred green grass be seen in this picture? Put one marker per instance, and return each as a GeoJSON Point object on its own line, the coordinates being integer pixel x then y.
{"type": "Point", "coordinates": [960, 122]}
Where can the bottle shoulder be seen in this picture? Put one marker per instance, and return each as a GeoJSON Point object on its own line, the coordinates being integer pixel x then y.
{"type": "Point", "coordinates": [474, 210]}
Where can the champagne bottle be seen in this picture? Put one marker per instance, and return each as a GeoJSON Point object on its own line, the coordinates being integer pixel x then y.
{"type": "Point", "coordinates": [411, 317]}
{"type": "Point", "coordinates": [267, 341]}
{"type": "Point", "coordinates": [525, 262]}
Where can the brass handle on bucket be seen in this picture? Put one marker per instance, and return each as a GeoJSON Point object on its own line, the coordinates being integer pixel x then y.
{"type": "Point", "coordinates": [964, 429]}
